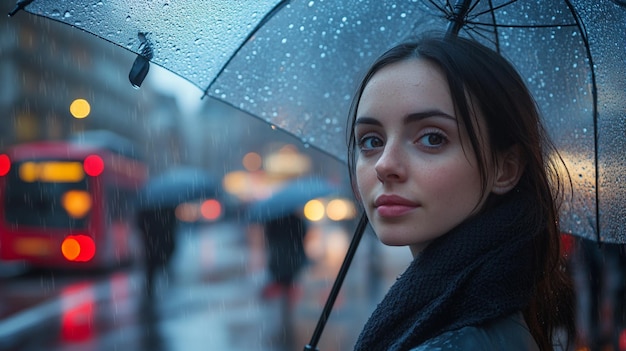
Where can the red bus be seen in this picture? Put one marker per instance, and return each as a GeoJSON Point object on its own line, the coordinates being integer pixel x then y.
{"type": "Point", "coordinates": [68, 205]}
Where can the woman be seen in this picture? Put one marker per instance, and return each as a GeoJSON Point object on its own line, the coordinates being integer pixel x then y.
{"type": "Point", "coordinates": [449, 158]}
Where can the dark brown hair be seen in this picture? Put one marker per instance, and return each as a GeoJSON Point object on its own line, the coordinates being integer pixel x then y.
{"type": "Point", "coordinates": [482, 80]}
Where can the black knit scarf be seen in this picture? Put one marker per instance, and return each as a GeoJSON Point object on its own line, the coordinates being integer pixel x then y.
{"type": "Point", "coordinates": [479, 271]}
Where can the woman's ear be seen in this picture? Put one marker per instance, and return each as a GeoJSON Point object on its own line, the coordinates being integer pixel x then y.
{"type": "Point", "coordinates": [509, 170]}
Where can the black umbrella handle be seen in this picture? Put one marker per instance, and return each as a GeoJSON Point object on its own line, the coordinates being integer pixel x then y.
{"type": "Point", "coordinates": [356, 239]}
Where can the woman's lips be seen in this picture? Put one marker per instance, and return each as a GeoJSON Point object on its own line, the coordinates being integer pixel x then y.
{"type": "Point", "coordinates": [393, 206]}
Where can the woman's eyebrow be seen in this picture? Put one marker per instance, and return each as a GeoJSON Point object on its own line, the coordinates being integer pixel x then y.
{"type": "Point", "coordinates": [367, 120]}
{"type": "Point", "coordinates": [410, 118]}
{"type": "Point", "coordinates": [418, 116]}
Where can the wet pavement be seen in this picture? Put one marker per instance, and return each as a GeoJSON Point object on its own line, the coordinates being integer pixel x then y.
{"type": "Point", "coordinates": [211, 299]}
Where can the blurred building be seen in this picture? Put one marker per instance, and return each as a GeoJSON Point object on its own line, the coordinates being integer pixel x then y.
{"type": "Point", "coordinates": [45, 66]}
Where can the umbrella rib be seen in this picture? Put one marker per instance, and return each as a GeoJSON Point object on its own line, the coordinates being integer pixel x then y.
{"type": "Point", "coordinates": [495, 31]}
{"type": "Point", "coordinates": [494, 9]}
{"type": "Point", "coordinates": [266, 18]}
{"type": "Point", "coordinates": [594, 93]}
{"type": "Point", "coordinates": [477, 31]}
{"type": "Point", "coordinates": [523, 25]}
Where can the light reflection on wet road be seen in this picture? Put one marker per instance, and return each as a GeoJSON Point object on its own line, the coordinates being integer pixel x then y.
{"type": "Point", "coordinates": [210, 300]}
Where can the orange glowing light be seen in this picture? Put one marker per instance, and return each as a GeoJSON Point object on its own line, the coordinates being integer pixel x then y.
{"type": "Point", "coordinates": [314, 210]}
{"type": "Point", "coordinates": [77, 203]}
{"type": "Point", "coordinates": [79, 248]}
{"type": "Point", "coordinates": [70, 248]}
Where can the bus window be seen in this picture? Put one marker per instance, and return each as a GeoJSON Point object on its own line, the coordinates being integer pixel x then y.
{"type": "Point", "coordinates": [42, 203]}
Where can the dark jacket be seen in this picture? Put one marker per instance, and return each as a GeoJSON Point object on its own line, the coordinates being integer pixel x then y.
{"type": "Point", "coordinates": [509, 333]}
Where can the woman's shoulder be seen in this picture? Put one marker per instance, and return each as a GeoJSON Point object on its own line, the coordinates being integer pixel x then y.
{"type": "Point", "coordinates": [508, 333]}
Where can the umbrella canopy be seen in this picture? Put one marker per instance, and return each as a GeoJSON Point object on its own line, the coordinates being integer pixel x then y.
{"type": "Point", "coordinates": [290, 197]}
{"type": "Point", "coordinates": [177, 185]}
{"type": "Point", "coordinates": [295, 64]}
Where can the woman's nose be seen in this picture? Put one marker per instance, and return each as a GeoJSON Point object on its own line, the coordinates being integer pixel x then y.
{"type": "Point", "coordinates": [391, 164]}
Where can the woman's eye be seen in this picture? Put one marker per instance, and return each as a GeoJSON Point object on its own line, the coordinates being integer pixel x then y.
{"type": "Point", "coordinates": [432, 140]}
{"type": "Point", "coordinates": [370, 142]}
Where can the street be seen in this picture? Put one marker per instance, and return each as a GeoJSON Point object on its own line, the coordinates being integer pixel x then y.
{"type": "Point", "coordinates": [209, 300]}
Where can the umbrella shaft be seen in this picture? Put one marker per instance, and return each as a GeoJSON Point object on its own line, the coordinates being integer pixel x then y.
{"type": "Point", "coordinates": [460, 11]}
{"type": "Point", "coordinates": [356, 239]}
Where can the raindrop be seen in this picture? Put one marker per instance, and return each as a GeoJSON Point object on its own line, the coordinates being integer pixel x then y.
{"type": "Point", "coordinates": [127, 18]}
{"type": "Point", "coordinates": [382, 29]}
{"type": "Point", "coordinates": [197, 41]}
{"type": "Point", "coordinates": [56, 13]}
{"type": "Point", "coordinates": [311, 3]}
{"type": "Point", "coordinates": [67, 14]}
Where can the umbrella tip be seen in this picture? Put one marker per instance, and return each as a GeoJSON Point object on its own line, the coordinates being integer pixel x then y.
{"type": "Point", "coordinates": [19, 5]}
{"type": "Point", "coordinates": [141, 66]}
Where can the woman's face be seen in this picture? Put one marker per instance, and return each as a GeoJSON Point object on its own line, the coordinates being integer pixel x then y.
{"type": "Point", "coordinates": [416, 177]}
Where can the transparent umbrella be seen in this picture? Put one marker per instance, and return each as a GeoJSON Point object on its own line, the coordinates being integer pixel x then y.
{"type": "Point", "coordinates": [295, 64]}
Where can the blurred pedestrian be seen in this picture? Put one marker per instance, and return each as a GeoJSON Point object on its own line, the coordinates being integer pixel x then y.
{"type": "Point", "coordinates": [158, 229]}
{"type": "Point", "coordinates": [286, 257]}
{"type": "Point", "coordinates": [599, 275]}
{"type": "Point", "coordinates": [449, 158]}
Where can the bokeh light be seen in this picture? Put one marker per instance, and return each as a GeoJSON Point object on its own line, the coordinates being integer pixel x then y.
{"type": "Point", "coordinates": [80, 108]}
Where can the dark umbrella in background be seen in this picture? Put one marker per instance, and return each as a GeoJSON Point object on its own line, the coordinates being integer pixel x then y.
{"type": "Point", "coordinates": [295, 64]}
{"type": "Point", "coordinates": [290, 197]}
{"type": "Point", "coordinates": [177, 185]}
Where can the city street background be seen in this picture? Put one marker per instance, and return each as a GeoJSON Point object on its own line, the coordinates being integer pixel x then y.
{"type": "Point", "coordinates": [211, 296]}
